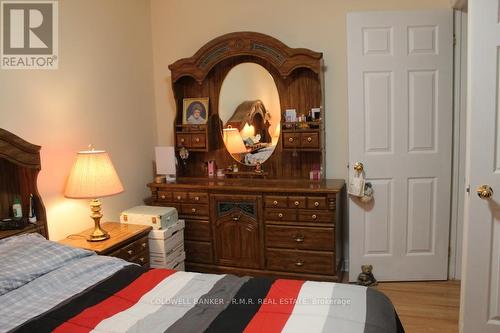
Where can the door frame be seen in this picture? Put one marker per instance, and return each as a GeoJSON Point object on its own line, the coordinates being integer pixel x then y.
{"type": "Point", "coordinates": [459, 144]}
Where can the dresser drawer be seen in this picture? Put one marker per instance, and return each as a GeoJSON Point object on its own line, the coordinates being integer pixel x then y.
{"type": "Point", "coordinates": [281, 215]}
{"type": "Point", "coordinates": [198, 140]}
{"type": "Point", "coordinates": [291, 140]}
{"type": "Point", "coordinates": [164, 196]}
{"type": "Point", "coordinates": [141, 259]}
{"type": "Point", "coordinates": [197, 230]}
{"type": "Point", "coordinates": [310, 140]}
{"type": "Point", "coordinates": [183, 140]}
{"type": "Point", "coordinates": [194, 209]}
{"type": "Point", "coordinates": [179, 196]}
{"type": "Point", "coordinates": [314, 238]}
{"type": "Point", "coordinates": [301, 261]}
{"type": "Point", "coordinates": [297, 202]}
{"type": "Point", "coordinates": [200, 252]}
{"type": "Point", "coordinates": [133, 249]}
{"type": "Point", "coordinates": [317, 203]}
{"type": "Point", "coordinates": [198, 197]}
{"type": "Point", "coordinates": [316, 216]}
{"type": "Point", "coordinates": [276, 201]}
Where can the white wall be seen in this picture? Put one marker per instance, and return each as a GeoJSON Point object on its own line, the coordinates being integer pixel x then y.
{"type": "Point", "coordinates": [102, 93]}
{"type": "Point", "coordinates": [181, 27]}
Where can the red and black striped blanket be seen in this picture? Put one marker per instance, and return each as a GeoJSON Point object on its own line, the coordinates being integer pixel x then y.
{"type": "Point", "coordinates": [137, 300]}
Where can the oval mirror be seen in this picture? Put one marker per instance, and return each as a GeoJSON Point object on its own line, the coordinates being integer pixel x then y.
{"type": "Point", "coordinates": [249, 108]}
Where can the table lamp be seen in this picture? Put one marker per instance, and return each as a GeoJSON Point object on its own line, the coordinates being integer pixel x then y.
{"type": "Point", "coordinates": [233, 141]}
{"type": "Point", "coordinates": [93, 176]}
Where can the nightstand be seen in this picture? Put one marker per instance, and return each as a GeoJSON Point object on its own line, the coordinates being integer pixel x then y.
{"type": "Point", "coordinates": [127, 241]}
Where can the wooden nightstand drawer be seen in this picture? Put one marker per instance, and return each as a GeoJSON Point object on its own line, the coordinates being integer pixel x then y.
{"type": "Point", "coordinates": [310, 140]}
{"type": "Point", "coordinates": [291, 140]}
{"type": "Point", "coordinates": [132, 250]}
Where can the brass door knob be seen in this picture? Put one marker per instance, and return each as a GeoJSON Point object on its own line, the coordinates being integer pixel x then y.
{"type": "Point", "coordinates": [290, 139]}
{"type": "Point", "coordinates": [484, 191]}
{"type": "Point", "coordinates": [309, 139]}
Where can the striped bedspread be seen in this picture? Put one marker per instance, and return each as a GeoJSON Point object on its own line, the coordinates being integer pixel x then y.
{"type": "Point", "coordinates": [136, 300]}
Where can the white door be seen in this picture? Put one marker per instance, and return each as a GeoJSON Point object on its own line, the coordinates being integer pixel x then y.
{"type": "Point", "coordinates": [480, 304]}
{"type": "Point", "coordinates": [400, 127]}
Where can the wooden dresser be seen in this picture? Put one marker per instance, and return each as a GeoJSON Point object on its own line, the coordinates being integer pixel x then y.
{"type": "Point", "coordinates": [287, 228]}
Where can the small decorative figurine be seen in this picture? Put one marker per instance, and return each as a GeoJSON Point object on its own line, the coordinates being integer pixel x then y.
{"type": "Point", "coordinates": [366, 277]}
{"type": "Point", "coordinates": [184, 154]}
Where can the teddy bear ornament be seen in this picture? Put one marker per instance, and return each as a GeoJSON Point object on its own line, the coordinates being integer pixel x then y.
{"type": "Point", "coordinates": [366, 277]}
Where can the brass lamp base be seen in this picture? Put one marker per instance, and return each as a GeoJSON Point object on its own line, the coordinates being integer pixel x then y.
{"type": "Point", "coordinates": [98, 234]}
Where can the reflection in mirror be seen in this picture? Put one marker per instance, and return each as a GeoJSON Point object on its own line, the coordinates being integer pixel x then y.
{"type": "Point", "coordinates": [249, 108]}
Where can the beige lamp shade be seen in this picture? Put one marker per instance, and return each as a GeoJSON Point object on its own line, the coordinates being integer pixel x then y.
{"type": "Point", "coordinates": [92, 176]}
{"type": "Point", "coordinates": [248, 131]}
{"type": "Point", "coordinates": [233, 141]}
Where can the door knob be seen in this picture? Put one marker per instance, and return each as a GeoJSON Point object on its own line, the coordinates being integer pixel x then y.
{"type": "Point", "coordinates": [484, 191]}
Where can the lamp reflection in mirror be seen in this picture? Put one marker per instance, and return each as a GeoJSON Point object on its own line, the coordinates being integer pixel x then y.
{"type": "Point", "coordinates": [248, 131]}
{"type": "Point", "coordinates": [233, 141]}
{"type": "Point", "coordinates": [276, 134]}
{"type": "Point", "coordinates": [93, 176]}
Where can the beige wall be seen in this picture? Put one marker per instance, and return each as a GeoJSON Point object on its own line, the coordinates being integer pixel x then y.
{"type": "Point", "coordinates": [102, 93]}
{"type": "Point", "coordinates": [181, 27]}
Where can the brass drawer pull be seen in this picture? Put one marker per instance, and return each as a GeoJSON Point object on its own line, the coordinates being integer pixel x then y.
{"type": "Point", "coordinates": [236, 218]}
{"type": "Point", "coordinates": [299, 238]}
{"type": "Point", "coordinates": [296, 203]}
{"type": "Point", "coordinates": [299, 263]}
{"type": "Point", "coordinates": [130, 252]}
{"type": "Point", "coordinates": [314, 217]}
{"type": "Point", "coordinates": [182, 140]}
{"type": "Point", "coordinates": [280, 215]}
{"type": "Point", "coordinates": [163, 197]}
{"type": "Point", "coordinates": [290, 139]}
{"type": "Point", "coordinates": [309, 139]}
{"type": "Point", "coordinates": [197, 140]}
{"type": "Point", "coordinates": [316, 204]}
{"type": "Point", "coordinates": [275, 202]}
{"type": "Point", "coordinates": [141, 260]}
{"type": "Point", "coordinates": [144, 245]}
{"type": "Point", "coordinates": [196, 198]}
{"type": "Point", "coordinates": [179, 197]}
{"type": "Point", "coordinates": [193, 210]}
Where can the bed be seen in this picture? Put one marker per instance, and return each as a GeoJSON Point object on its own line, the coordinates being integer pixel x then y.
{"type": "Point", "coordinates": [46, 286]}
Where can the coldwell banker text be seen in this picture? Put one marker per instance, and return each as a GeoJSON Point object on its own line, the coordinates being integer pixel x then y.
{"type": "Point", "coordinates": [29, 35]}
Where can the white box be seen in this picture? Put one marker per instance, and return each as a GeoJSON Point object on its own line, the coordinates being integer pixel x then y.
{"type": "Point", "coordinates": [157, 217]}
{"type": "Point", "coordinates": [164, 241]}
{"type": "Point", "coordinates": [173, 261]}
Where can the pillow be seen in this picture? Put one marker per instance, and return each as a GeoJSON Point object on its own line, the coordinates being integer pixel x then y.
{"type": "Point", "coordinates": [25, 257]}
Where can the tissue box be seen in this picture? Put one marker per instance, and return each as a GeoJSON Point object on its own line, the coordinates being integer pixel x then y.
{"type": "Point", "coordinates": [157, 217]}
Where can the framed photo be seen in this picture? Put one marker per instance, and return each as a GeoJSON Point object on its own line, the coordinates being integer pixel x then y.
{"type": "Point", "coordinates": [195, 111]}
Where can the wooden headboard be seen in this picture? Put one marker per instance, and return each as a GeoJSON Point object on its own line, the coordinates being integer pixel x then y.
{"type": "Point", "coordinates": [19, 168]}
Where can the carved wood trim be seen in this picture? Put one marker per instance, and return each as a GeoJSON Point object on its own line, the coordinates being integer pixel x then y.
{"type": "Point", "coordinates": [18, 151]}
{"type": "Point", "coordinates": [282, 57]}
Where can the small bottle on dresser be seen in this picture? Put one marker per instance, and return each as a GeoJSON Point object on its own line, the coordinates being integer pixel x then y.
{"type": "Point", "coordinates": [17, 210]}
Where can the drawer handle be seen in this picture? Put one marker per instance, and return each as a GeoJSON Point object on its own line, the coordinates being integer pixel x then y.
{"type": "Point", "coordinates": [280, 215]}
{"type": "Point", "coordinates": [178, 197]}
{"type": "Point", "coordinates": [196, 198]}
{"type": "Point", "coordinates": [299, 238]}
{"type": "Point", "coordinates": [144, 245]}
{"type": "Point", "coordinates": [141, 260]}
{"type": "Point", "coordinates": [182, 140]}
{"type": "Point", "coordinates": [314, 217]}
{"type": "Point", "coordinates": [275, 202]}
{"type": "Point", "coordinates": [130, 252]}
{"type": "Point", "coordinates": [163, 197]}
{"type": "Point", "coordinates": [299, 263]}
{"type": "Point", "coordinates": [197, 140]}
{"type": "Point", "coordinates": [290, 139]}
{"type": "Point", "coordinates": [296, 203]}
{"type": "Point", "coordinates": [316, 204]}
{"type": "Point", "coordinates": [236, 218]}
{"type": "Point", "coordinates": [193, 210]}
{"type": "Point", "coordinates": [309, 139]}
